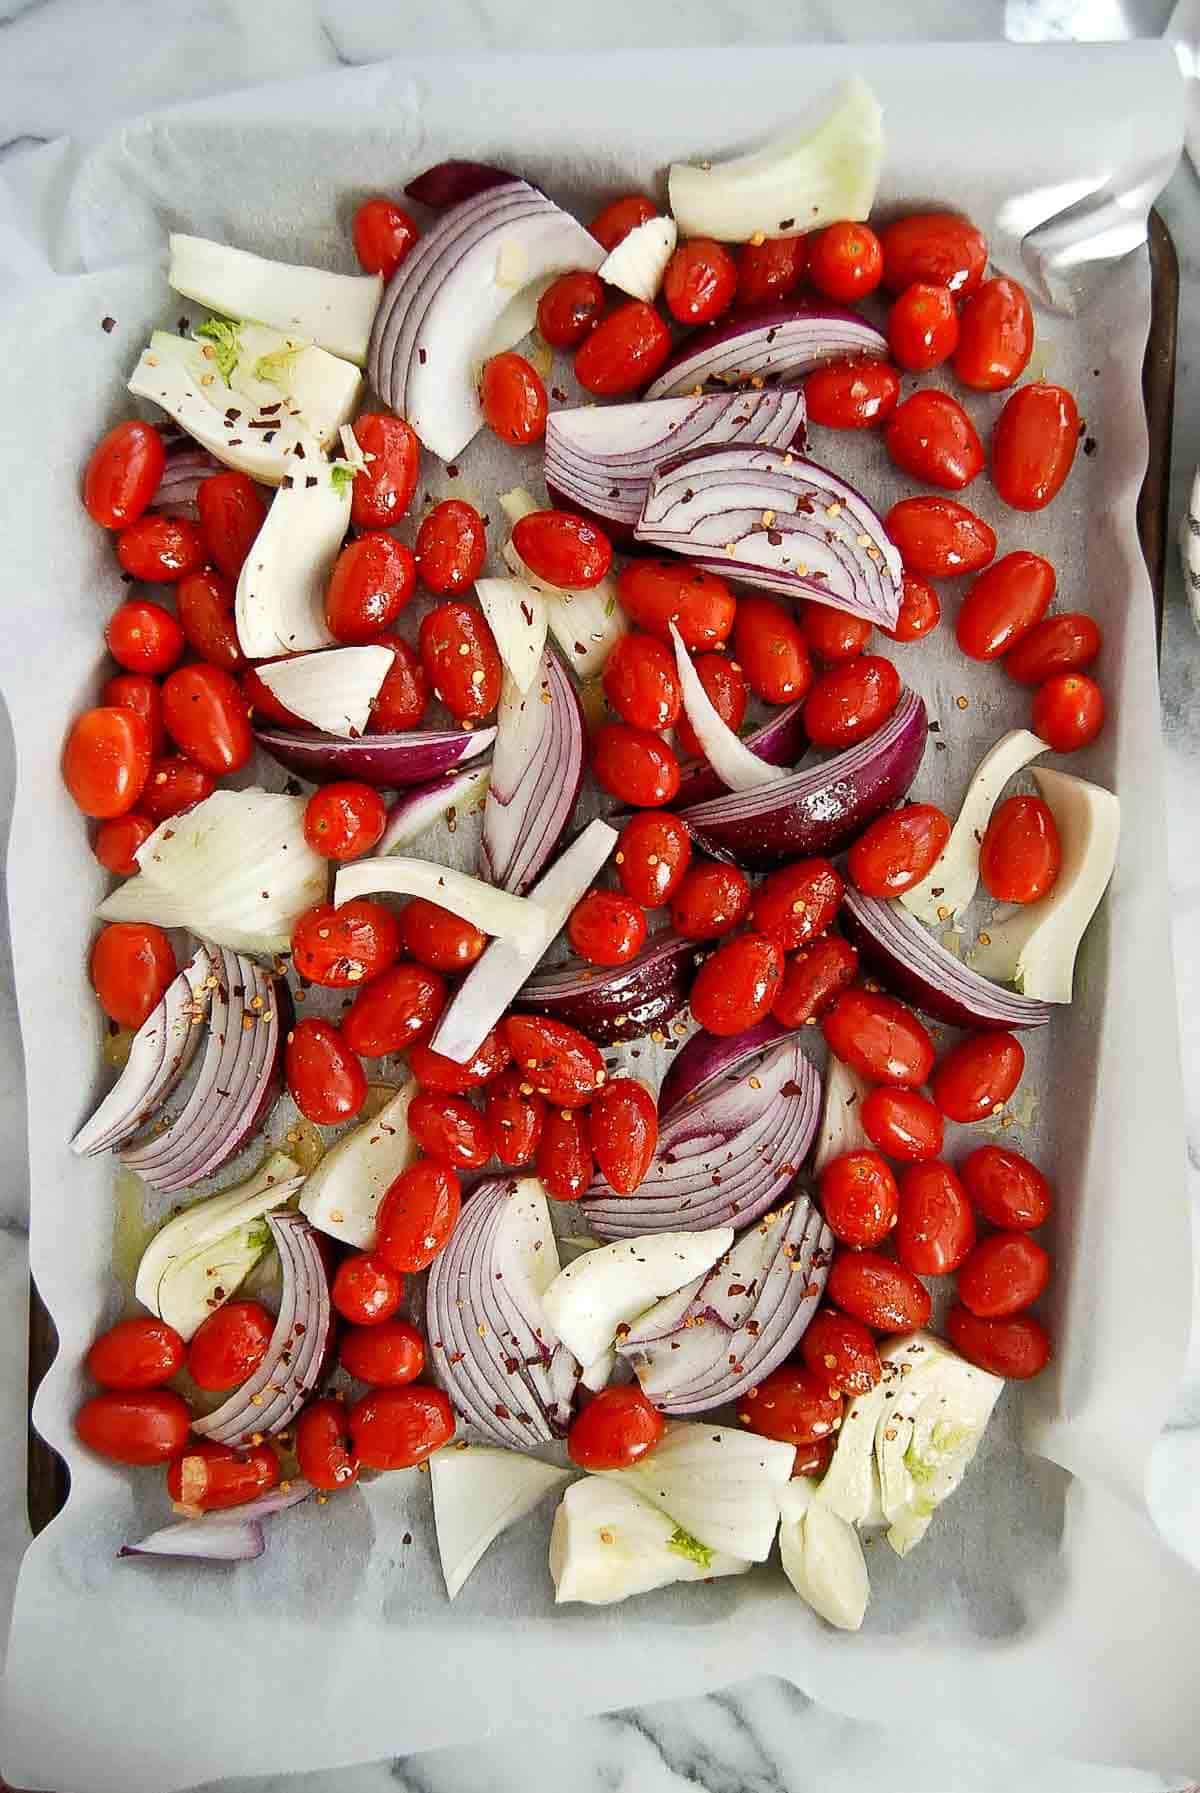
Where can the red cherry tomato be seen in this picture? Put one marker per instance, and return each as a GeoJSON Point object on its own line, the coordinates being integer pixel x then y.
{"type": "Point", "coordinates": [791, 1405]}
{"type": "Point", "coordinates": [833, 634]}
{"type": "Point", "coordinates": [840, 1353]}
{"type": "Point", "coordinates": [1064, 643]}
{"type": "Point", "coordinates": [515, 1115]}
{"type": "Point", "coordinates": [229, 1345]}
{"type": "Point", "coordinates": [1033, 445]}
{"type": "Point", "coordinates": [417, 1215]}
{"type": "Point", "coordinates": [106, 760]}
{"type": "Point", "coordinates": [1021, 854]}
{"type": "Point", "coordinates": [859, 1198]}
{"type": "Point", "coordinates": [262, 701]}
{"type": "Point", "coordinates": [613, 223]}
{"type": "Point", "coordinates": [160, 550]}
{"type": "Point", "coordinates": [383, 491]}
{"type": "Point", "coordinates": [943, 248]}
{"type": "Point", "coordinates": [977, 1076]}
{"type": "Point", "coordinates": [563, 549]}
{"type": "Point", "coordinates": [175, 784]}
{"type": "Point", "coordinates": [770, 269]}
{"type": "Point", "coordinates": [725, 686]}
{"type": "Point", "coordinates": [903, 1124]}
{"type": "Point", "coordinates": [433, 1070]}
{"type": "Point", "coordinates": [920, 611]}
{"type": "Point", "coordinates": [461, 660]}
{"type": "Point", "coordinates": [437, 938]}
{"type": "Point", "coordinates": [123, 474]}
{"type": "Point", "coordinates": [634, 765]}
{"type": "Point", "coordinates": [710, 900]}
{"type": "Point", "coordinates": [116, 843]}
{"type": "Point", "coordinates": [1003, 604]}
{"type": "Point", "coordinates": [393, 1428]}
{"type": "Point", "coordinates": [1068, 711]}
{"type": "Point", "coordinates": [345, 946]}
{"type": "Point", "coordinates": [897, 849]}
{"type": "Point", "coordinates": [615, 1430]}
{"type": "Point", "coordinates": [623, 352]}
{"type": "Point", "coordinates": [451, 547]}
{"type": "Point", "coordinates": [851, 700]}
{"type": "Point", "coordinates": [216, 1476]}
{"type": "Point", "coordinates": [623, 1131]}
{"type": "Point", "coordinates": [137, 1353]}
{"type": "Point", "coordinates": [652, 856]}
{"type": "Point", "coordinates": [401, 699]}
{"type": "Point", "coordinates": [879, 1038]}
{"type": "Point", "coordinates": [845, 261]}
{"type": "Point", "coordinates": [939, 538]}
{"type": "Point", "coordinates": [558, 1061]}
{"type": "Point", "coordinates": [882, 1294]}
{"type": "Point", "coordinates": [936, 1228]}
{"type": "Point", "coordinates": [995, 337]}
{"type": "Point", "coordinates": [570, 308]}
{"type": "Point", "coordinates": [922, 328]}
{"type": "Point", "coordinates": [931, 437]}
{"type": "Point", "coordinates": [797, 902]}
{"type": "Point", "coordinates": [387, 1356]}
{"type": "Point", "coordinates": [1005, 1273]}
{"type": "Point", "coordinates": [812, 979]}
{"type": "Point", "coordinates": [131, 965]}
{"type": "Point", "coordinates": [372, 580]}
{"type": "Point", "coordinates": [204, 602]}
{"type": "Point", "coordinates": [324, 1078]}
{"type": "Point", "coordinates": [449, 1130]}
{"type": "Point", "coordinates": [231, 514]}
{"type": "Point", "coordinates": [206, 716]}
{"type": "Point", "coordinates": [134, 1426]}
{"type": "Point", "coordinates": [607, 928]}
{"type": "Point", "coordinates": [136, 691]}
{"type": "Point", "coordinates": [656, 593]}
{"type": "Point", "coordinates": [641, 682]}
{"type": "Point", "coordinates": [383, 235]}
{"type": "Point", "coordinates": [771, 650]}
{"type": "Point", "coordinates": [1006, 1188]}
{"type": "Point", "coordinates": [1017, 1348]}
{"type": "Point", "coordinates": [143, 637]}
{"type": "Point", "coordinates": [734, 989]}
{"type": "Point", "coordinates": [323, 1446]}
{"type": "Point", "coordinates": [344, 820]}
{"type": "Point", "coordinates": [366, 1290]}
{"type": "Point", "coordinates": [700, 281]}
{"type": "Point", "coordinates": [513, 400]}
{"type": "Point", "coordinates": [851, 395]}
{"type": "Point", "coordinates": [563, 1155]}
{"type": "Point", "coordinates": [398, 1009]}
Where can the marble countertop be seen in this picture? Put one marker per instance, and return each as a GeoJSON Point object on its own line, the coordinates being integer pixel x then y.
{"type": "Point", "coordinates": [73, 67]}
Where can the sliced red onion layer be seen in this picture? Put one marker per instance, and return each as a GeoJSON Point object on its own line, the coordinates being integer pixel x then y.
{"type": "Point", "coordinates": [617, 1002]}
{"type": "Point", "coordinates": [918, 967]}
{"type": "Point", "coordinates": [711, 1342]}
{"type": "Point", "coordinates": [780, 741]}
{"type": "Point", "coordinates": [821, 807]}
{"type": "Point", "coordinates": [780, 522]}
{"type": "Point", "coordinates": [451, 183]}
{"type": "Point", "coordinates": [423, 806]}
{"type": "Point", "coordinates": [602, 457]}
{"type": "Point", "coordinates": [737, 766]}
{"type": "Point", "coordinates": [295, 1357]}
{"type": "Point", "coordinates": [537, 771]}
{"type": "Point", "coordinates": [233, 1536]}
{"type": "Point", "coordinates": [490, 1344]}
{"type": "Point", "coordinates": [724, 1158]}
{"type": "Point", "coordinates": [777, 343]}
{"type": "Point", "coordinates": [186, 466]}
{"type": "Point", "coordinates": [706, 1056]}
{"type": "Point", "coordinates": [160, 1053]}
{"type": "Point", "coordinates": [390, 761]}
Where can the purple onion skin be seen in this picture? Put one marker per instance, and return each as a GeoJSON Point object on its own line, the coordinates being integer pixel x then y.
{"type": "Point", "coordinates": [738, 323]}
{"type": "Point", "coordinates": [781, 741]}
{"type": "Point", "coordinates": [449, 183]}
{"type": "Point", "coordinates": [273, 1088]}
{"type": "Point", "coordinates": [921, 992]}
{"type": "Point", "coordinates": [390, 762]}
{"type": "Point", "coordinates": [705, 1056]}
{"type": "Point", "coordinates": [624, 1003]}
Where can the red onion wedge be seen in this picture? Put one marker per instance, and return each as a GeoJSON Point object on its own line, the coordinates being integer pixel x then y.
{"type": "Point", "coordinates": [723, 1158]}
{"type": "Point", "coordinates": [780, 741]}
{"type": "Point", "coordinates": [778, 343]}
{"type": "Point", "coordinates": [706, 1056]}
{"type": "Point", "coordinates": [389, 761]}
{"type": "Point", "coordinates": [490, 1344]}
{"type": "Point", "coordinates": [821, 807]}
{"type": "Point", "coordinates": [537, 771]}
{"type": "Point", "coordinates": [617, 1002]}
{"type": "Point", "coordinates": [423, 806]}
{"type": "Point", "coordinates": [739, 1320]}
{"type": "Point", "coordinates": [910, 961]}
{"type": "Point", "coordinates": [451, 183]}
{"type": "Point", "coordinates": [295, 1357]}
{"type": "Point", "coordinates": [779, 522]}
{"type": "Point", "coordinates": [602, 457]}
{"type": "Point", "coordinates": [186, 467]}
{"type": "Point", "coordinates": [230, 1536]}
{"type": "Point", "coordinates": [161, 1051]}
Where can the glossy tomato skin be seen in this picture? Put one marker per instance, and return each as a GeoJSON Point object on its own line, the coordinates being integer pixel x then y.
{"type": "Point", "coordinates": [931, 437]}
{"type": "Point", "coordinates": [771, 650]}
{"type": "Point", "coordinates": [116, 842]}
{"type": "Point", "coordinates": [433, 1070]}
{"type": "Point", "coordinates": [160, 550]}
{"type": "Point", "coordinates": [1006, 1188]}
{"type": "Point", "coordinates": [791, 1405]}
{"type": "Point", "coordinates": [451, 547]}
{"type": "Point", "coordinates": [389, 1355]}
{"type": "Point", "coordinates": [859, 1198]}
{"type": "Point", "coordinates": [845, 261]}
{"type": "Point", "coordinates": [657, 593]}
{"type": "Point", "coordinates": [231, 514]}
{"type": "Point", "coordinates": [624, 351]}
{"type": "Point", "coordinates": [469, 682]}
{"type": "Point", "coordinates": [372, 580]}
{"type": "Point", "coordinates": [711, 899]}
{"type": "Point", "coordinates": [136, 1353]}
{"type": "Point", "coordinates": [175, 784]}
{"type": "Point", "coordinates": [897, 849]}
{"type": "Point", "coordinates": [563, 1155]}
{"type": "Point", "coordinates": [700, 281]}
{"type": "Point", "coordinates": [879, 1292]}
{"type": "Point", "coordinates": [346, 946]}
{"type": "Point", "coordinates": [1068, 711]}
{"type": "Point", "coordinates": [513, 399]}
{"type": "Point", "coordinates": [123, 474]}
{"type": "Point", "coordinates": [137, 691]}
{"type": "Point", "coordinates": [1003, 604]}
{"type": "Point", "coordinates": [977, 1076]}
{"type": "Point", "coordinates": [939, 538]}
{"type": "Point", "coordinates": [132, 963]}
{"type": "Point", "coordinates": [515, 1116]}
{"type": "Point", "coordinates": [559, 1062]}
{"type": "Point", "coordinates": [879, 1038]}
{"type": "Point", "coordinates": [570, 308]}
{"type": "Point", "coordinates": [936, 1228]}
{"type": "Point", "coordinates": [417, 1215]}
{"type": "Point", "coordinates": [850, 700]}
{"type": "Point", "coordinates": [922, 328]}
{"type": "Point", "coordinates": [134, 1426]}
{"type": "Point", "coordinates": [641, 682]}
{"type": "Point", "coordinates": [438, 938]}
{"type": "Point", "coordinates": [995, 338]}
{"type": "Point", "coordinates": [1016, 1348]}
{"type": "Point", "coordinates": [324, 1078]}
{"type": "Point", "coordinates": [366, 1290]}
{"type": "Point", "coordinates": [623, 1131]}
{"type": "Point", "coordinates": [833, 634]}
{"type": "Point", "coordinates": [393, 1428]}
{"type": "Point", "coordinates": [449, 1130]}
{"type": "Point", "coordinates": [1021, 854]}
{"type": "Point", "coordinates": [652, 857]}
{"type": "Point", "coordinates": [851, 395]}
{"type": "Point", "coordinates": [796, 902]}
{"type": "Point", "coordinates": [840, 1353]}
{"type": "Point", "coordinates": [106, 760]}
{"type": "Point", "coordinates": [399, 1008]}
{"type": "Point", "coordinates": [634, 765]}
{"type": "Point", "coordinates": [770, 269]}
{"type": "Point", "coordinates": [615, 1430]}
{"type": "Point", "coordinates": [229, 1345]}
{"type": "Point", "coordinates": [613, 222]}
{"type": "Point", "coordinates": [401, 700]}
{"type": "Point", "coordinates": [219, 1476]}
{"type": "Point", "coordinates": [206, 716]}
{"type": "Point", "coordinates": [943, 248]}
{"type": "Point", "coordinates": [382, 493]}
{"type": "Point", "coordinates": [734, 989]}
{"type": "Point", "coordinates": [563, 549]}
{"type": "Point", "coordinates": [383, 235]}
{"type": "Point", "coordinates": [812, 978]}
{"type": "Point", "coordinates": [1033, 445]}
{"type": "Point", "coordinates": [143, 637]}
{"type": "Point", "coordinates": [1005, 1273]}
{"type": "Point", "coordinates": [1064, 643]}
{"type": "Point", "coordinates": [607, 928]}
{"type": "Point", "coordinates": [903, 1124]}
{"type": "Point", "coordinates": [323, 1450]}
{"type": "Point", "coordinates": [204, 602]}
{"type": "Point", "coordinates": [344, 820]}
{"type": "Point", "coordinates": [920, 611]}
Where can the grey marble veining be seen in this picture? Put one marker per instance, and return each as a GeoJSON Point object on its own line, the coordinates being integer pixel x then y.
{"type": "Point", "coordinates": [75, 66]}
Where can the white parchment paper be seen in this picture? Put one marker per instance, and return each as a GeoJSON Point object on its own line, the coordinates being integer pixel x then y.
{"type": "Point", "coordinates": [1041, 1599]}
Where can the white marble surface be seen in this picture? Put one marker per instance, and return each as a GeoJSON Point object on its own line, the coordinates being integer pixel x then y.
{"type": "Point", "coordinates": [76, 67]}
